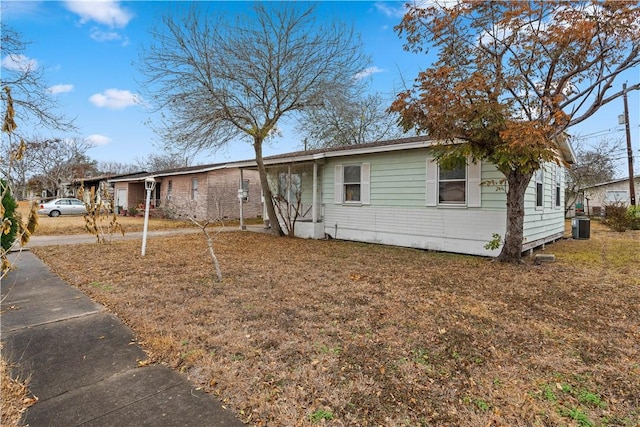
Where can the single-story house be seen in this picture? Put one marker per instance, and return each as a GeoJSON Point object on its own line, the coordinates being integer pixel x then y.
{"type": "Point", "coordinates": [394, 193]}
{"type": "Point", "coordinates": [203, 192]}
{"type": "Point", "coordinates": [593, 199]}
{"type": "Point", "coordinates": [99, 183]}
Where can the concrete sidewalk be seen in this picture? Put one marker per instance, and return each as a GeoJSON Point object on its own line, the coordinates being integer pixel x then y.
{"type": "Point", "coordinates": [82, 362]}
{"type": "Point", "coordinates": [75, 239]}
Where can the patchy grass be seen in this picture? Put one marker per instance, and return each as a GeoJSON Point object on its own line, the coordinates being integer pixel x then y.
{"type": "Point", "coordinates": [305, 332]}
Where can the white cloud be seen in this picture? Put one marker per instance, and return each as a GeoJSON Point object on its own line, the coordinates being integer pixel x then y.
{"type": "Point", "coordinates": [398, 9]}
{"type": "Point", "coordinates": [20, 8]}
{"type": "Point", "coordinates": [96, 140]}
{"type": "Point", "coordinates": [391, 10]}
{"type": "Point", "coordinates": [107, 12]}
{"type": "Point", "coordinates": [19, 63]}
{"type": "Point", "coordinates": [107, 36]}
{"type": "Point", "coordinates": [423, 4]}
{"type": "Point", "coordinates": [115, 99]}
{"type": "Point", "coordinates": [55, 89]}
{"type": "Point", "coordinates": [367, 72]}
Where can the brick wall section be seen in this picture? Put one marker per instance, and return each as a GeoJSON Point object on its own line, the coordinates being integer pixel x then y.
{"type": "Point", "coordinates": [253, 207]}
{"type": "Point", "coordinates": [137, 195]}
{"type": "Point", "coordinates": [182, 201]}
{"type": "Point", "coordinates": [217, 194]}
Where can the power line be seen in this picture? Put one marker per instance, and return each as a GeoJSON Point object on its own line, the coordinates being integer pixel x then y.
{"type": "Point", "coordinates": [600, 133]}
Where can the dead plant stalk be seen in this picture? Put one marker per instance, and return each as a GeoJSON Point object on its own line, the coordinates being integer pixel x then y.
{"type": "Point", "coordinates": [214, 258]}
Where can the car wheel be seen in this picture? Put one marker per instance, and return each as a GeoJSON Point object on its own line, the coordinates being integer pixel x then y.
{"type": "Point", "coordinates": [54, 213]}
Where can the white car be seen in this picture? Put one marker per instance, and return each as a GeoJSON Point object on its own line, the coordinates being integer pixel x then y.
{"type": "Point", "coordinates": [64, 206]}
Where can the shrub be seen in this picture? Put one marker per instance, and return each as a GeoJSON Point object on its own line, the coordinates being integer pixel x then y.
{"type": "Point", "coordinates": [633, 215]}
{"type": "Point", "coordinates": [615, 216]}
{"type": "Point", "coordinates": [99, 220]}
{"type": "Point", "coordinates": [10, 217]}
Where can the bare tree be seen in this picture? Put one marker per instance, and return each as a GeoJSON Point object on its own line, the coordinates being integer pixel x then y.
{"type": "Point", "coordinates": [158, 162]}
{"type": "Point", "coordinates": [349, 119]}
{"type": "Point", "coordinates": [287, 197]}
{"type": "Point", "coordinates": [193, 212]}
{"type": "Point", "coordinates": [219, 80]}
{"type": "Point", "coordinates": [57, 161]}
{"type": "Point", "coordinates": [26, 97]}
{"type": "Point", "coordinates": [592, 166]}
{"type": "Point", "coordinates": [19, 170]}
{"type": "Point", "coordinates": [116, 168]}
{"type": "Point", "coordinates": [33, 102]}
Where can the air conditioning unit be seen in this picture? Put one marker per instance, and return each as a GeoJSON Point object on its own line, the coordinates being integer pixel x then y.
{"type": "Point", "coordinates": [581, 228]}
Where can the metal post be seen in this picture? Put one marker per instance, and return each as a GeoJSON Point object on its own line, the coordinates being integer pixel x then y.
{"type": "Point", "coordinates": [240, 197]}
{"type": "Point", "coordinates": [149, 184]}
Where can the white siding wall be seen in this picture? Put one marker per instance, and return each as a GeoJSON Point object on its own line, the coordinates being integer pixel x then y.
{"type": "Point", "coordinates": [546, 223]}
{"type": "Point", "coordinates": [398, 212]}
{"type": "Point", "coordinates": [398, 215]}
{"type": "Point", "coordinates": [449, 230]}
{"type": "Point", "coordinates": [597, 195]}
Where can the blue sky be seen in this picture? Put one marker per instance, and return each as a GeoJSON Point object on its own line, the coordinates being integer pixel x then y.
{"type": "Point", "coordinates": [89, 51]}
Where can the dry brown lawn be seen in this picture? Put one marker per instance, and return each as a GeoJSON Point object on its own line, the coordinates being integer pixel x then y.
{"type": "Point", "coordinates": [339, 333]}
{"type": "Point", "coordinates": [72, 224]}
{"type": "Point", "coordinates": [15, 396]}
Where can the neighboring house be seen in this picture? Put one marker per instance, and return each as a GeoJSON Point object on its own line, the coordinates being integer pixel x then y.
{"type": "Point", "coordinates": [594, 198]}
{"type": "Point", "coordinates": [128, 190]}
{"type": "Point", "coordinates": [393, 192]}
{"type": "Point", "coordinates": [203, 192]}
{"type": "Point", "coordinates": [100, 184]}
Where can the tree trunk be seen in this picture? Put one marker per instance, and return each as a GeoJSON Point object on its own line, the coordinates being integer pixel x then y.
{"type": "Point", "coordinates": [214, 258]}
{"type": "Point", "coordinates": [276, 230]}
{"type": "Point", "coordinates": [216, 264]}
{"type": "Point", "coordinates": [517, 186]}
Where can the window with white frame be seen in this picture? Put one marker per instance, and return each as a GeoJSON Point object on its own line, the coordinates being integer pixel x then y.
{"type": "Point", "coordinates": [194, 189]}
{"type": "Point", "coordinates": [455, 186]}
{"type": "Point", "coordinates": [169, 190]}
{"type": "Point", "coordinates": [289, 186]}
{"type": "Point", "coordinates": [452, 185]}
{"type": "Point", "coordinates": [558, 186]}
{"type": "Point", "coordinates": [539, 189]}
{"type": "Point", "coordinates": [352, 184]}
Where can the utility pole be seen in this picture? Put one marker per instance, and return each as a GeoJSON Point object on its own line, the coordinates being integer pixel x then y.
{"type": "Point", "coordinates": [632, 187]}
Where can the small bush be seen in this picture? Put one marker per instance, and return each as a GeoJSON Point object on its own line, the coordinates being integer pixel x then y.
{"type": "Point", "coordinates": [615, 216]}
{"type": "Point", "coordinates": [633, 215]}
{"type": "Point", "coordinates": [10, 217]}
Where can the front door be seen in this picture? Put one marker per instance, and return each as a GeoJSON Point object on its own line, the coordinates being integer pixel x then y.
{"type": "Point", "coordinates": [121, 198]}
